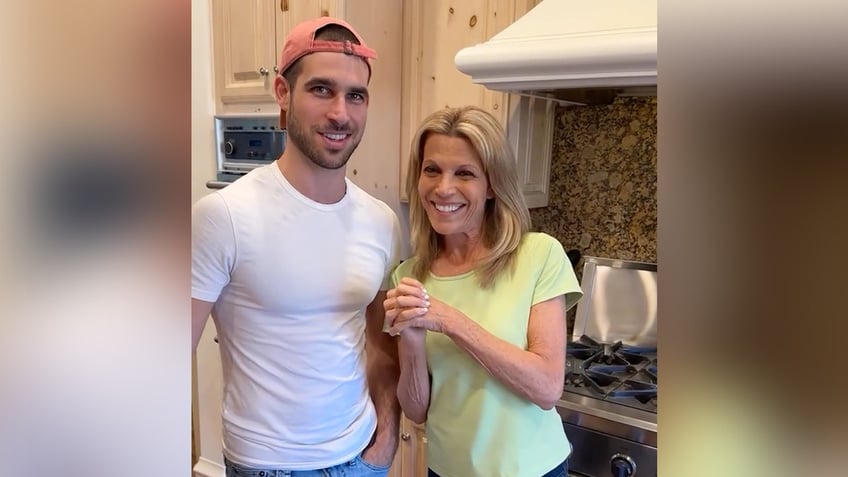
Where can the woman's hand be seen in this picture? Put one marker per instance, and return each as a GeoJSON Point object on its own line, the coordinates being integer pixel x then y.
{"type": "Point", "coordinates": [409, 308]}
{"type": "Point", "coordinates": [423, 312]}
{"type": "Point", "coordinates": [436, 317]}
{"type": "Point", "coordinates": [406, 301]}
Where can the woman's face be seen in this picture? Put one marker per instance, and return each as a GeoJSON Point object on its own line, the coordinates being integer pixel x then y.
{"type": "Point", "coordinates": [452, 186]}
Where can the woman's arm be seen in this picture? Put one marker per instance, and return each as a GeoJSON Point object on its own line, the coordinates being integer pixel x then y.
{"type": "Point", "coordinates": [414, 383]}
{"type": "Point", "coordinates": [409, 300]}
{"type": "Point", "coordinates": [535, 374]}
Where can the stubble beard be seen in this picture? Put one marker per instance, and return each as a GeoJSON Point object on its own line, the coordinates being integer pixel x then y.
{"type": "Point", "coordinates": [296, 134]}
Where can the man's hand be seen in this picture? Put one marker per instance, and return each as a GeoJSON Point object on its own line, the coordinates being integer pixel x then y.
{"type": "Point", "coordinates": [380, 453]}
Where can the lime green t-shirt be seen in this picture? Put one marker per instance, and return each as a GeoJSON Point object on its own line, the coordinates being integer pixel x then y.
{"type": "Point", "coordinates": [475, 425]}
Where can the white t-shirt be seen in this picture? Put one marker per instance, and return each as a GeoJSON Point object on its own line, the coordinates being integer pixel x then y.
{"type": "Point", "coordinates": [291, 279]}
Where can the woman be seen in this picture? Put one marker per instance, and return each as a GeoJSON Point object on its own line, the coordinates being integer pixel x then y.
{"type": "Point", "coordinates": [480, 308]}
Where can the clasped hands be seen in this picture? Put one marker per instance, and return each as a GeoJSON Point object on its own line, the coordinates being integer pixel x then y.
{"type": "Point", "coordinates": [408, 306]}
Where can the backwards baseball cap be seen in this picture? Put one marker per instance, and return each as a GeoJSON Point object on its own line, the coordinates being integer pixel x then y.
{"type": "Point", "coordinates": [301, 42]}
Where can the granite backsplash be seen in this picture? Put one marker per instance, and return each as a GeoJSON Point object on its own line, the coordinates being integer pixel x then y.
{"type": "Point", "coordinates": [603, 182]}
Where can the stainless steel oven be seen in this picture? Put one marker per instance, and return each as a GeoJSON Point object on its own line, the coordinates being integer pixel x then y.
{"type": "Point", "coordinates": [609, 400]}
{"type": "Point", "coordinates": [245, 143]}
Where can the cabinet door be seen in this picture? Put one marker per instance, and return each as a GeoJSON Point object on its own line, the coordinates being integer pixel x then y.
{"type": "Point", "coordinates": [531, 134]}
{"type": "Point", "coordinates": [411, 458]}
{"type": "Point", "coordinates": [396, 469]}
{"type": "Point", "coordinates": [434, 31]}
{"type": "Point", "coordinates": [406, 449]}
{"type": "Point", "coordinates": [244, 36]}
{"type": "Point", "coordinates": [420, 449]}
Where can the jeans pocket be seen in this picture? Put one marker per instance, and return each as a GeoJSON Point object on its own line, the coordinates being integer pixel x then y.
{"type": "Point", "coordinates": [376, 469]}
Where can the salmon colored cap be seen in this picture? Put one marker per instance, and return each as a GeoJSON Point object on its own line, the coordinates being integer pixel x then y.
{"type": "Point", "coordinates": [301, 42]}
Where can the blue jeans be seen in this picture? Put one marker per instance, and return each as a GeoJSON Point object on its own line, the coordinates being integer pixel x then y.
{"type": "Point", "coordinates": [558, 471]}
{"type": "Point", "coordinates": [355, 467]}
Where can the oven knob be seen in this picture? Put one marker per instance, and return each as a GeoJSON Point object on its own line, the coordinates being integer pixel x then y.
{"type": "Point", "coordinates": [229, 147]}
{"type": "Point", "coordinates": [622, 465]}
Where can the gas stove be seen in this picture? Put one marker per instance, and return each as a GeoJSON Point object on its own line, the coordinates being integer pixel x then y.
{"type": "Point", "coordinates": [609, 400]}
{"type": "Point", "coordinates": [613, 372]}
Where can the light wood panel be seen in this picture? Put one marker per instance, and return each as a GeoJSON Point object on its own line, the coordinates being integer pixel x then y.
{"type": "Point", "coordinates": [411, 459]}
{"type": "Point", "coordinates": [434, 31]}
{"type": "Point", "coordinates": [244, 39]}
{"type": "Point", "coordinates": [375, 164]}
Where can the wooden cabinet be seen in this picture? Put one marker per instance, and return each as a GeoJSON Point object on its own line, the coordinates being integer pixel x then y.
{"type": "Point", "coordinates": [248, 37]}
{"type": "Point", "coordinates": [434, 31]}
{"type": "Point", "coordinates": [411, 457]}
{"type": "Point", "coordinates": [245, 48]}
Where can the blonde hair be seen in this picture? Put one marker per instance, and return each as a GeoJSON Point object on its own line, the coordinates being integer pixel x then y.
{"type": "Point", "coordinates": [506, 218]}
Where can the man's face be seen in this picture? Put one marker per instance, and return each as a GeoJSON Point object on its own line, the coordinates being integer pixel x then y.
{"type": "Point", "coordinates": [327, 108]}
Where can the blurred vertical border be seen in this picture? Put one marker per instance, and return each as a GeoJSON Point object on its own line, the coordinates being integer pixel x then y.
{"type": "Point", "coordinates": [752, 237]}
{"type": "Point", "coordinates": [94, 341]}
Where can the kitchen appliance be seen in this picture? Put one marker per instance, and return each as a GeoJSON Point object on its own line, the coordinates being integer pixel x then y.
{"type": "Point", "coordinates": [609, 400]}
{"type": "Point", "coordinates": [245, 143]}
{"type": "Point", "coordinates": [573, 50]}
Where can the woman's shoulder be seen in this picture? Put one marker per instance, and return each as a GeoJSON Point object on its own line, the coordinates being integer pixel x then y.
{"type": "Point", "coordinates": [539, 241]}
{"type": "Point", "coordinates": [538, 248]}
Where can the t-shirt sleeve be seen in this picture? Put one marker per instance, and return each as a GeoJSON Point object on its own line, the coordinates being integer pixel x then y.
{"type": "Point", "coordinates": [213, 247]}
{"type": "Point", "coordinates": [557, 275]}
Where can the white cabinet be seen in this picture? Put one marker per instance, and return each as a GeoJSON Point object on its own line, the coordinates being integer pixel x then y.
{"type": "Point", "coordinates": [530, 131]}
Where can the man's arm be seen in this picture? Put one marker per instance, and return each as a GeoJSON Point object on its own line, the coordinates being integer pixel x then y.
{"type": "Point", "coordinates": [383, 373]}
{"type": "Point", "coordinates": [200, 311]}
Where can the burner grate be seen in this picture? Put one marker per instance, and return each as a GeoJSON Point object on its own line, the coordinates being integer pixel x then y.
{"type": "Point", "coordinates": [613, 372]}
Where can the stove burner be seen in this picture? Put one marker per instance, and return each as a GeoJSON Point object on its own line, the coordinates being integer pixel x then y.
{"type": "Point", "coordinates": [580, 350]}
{"type": "Point", "coordinates": [651, 370]}
{"type": "Point", "coordinates": [613, 372]}
{"type": "Point", "coordinates": [618, 371]}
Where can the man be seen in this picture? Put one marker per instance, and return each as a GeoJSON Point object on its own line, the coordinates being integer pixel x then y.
{"type": "Point", "coordinates": [293, 261]}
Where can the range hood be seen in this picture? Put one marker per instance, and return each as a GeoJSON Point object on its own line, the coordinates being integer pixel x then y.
{"type": "Point", "coordinates": [585, 51]}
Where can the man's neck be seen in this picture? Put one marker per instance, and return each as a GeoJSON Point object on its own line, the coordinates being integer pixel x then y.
{"type": "Point", "coordinates": [325, 186]}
